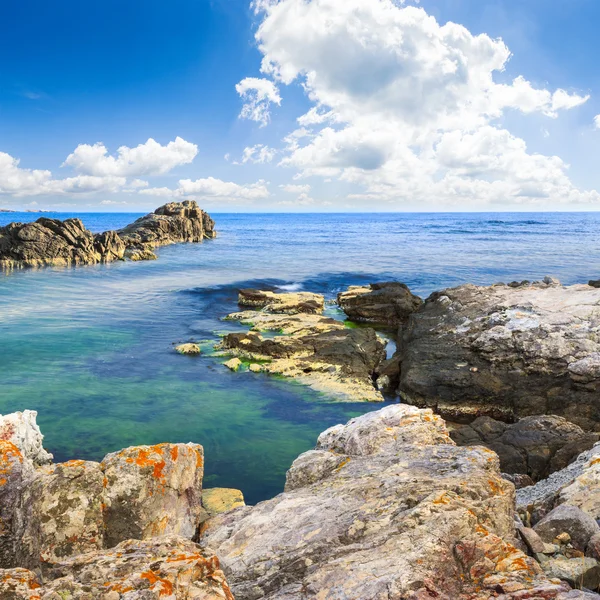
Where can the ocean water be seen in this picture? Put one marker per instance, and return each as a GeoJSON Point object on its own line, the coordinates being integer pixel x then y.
{"type": "Point", "coordinates": [91, 348]}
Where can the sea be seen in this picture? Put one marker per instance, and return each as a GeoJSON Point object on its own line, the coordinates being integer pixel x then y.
{"type": "Point", "coordinates": [91, 348]}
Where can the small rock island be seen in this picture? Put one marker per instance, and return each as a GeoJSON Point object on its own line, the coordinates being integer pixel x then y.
{"type": "Point", "coordinates": [51, 242]}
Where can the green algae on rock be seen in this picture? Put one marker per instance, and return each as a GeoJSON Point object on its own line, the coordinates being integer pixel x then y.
{"type": "Point", "coordinates": [315, 350]}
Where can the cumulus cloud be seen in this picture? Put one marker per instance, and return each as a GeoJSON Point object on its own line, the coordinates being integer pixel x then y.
{"type": "Point", "coordinates": [406, 108]}
{"type": "Point", "coordinates": [258, 95]}
{"type": "Point", "coordinates": [212, 189]}
{"type": "Point", "coordinates": [150, 158]}
{"type": "Point", "coordinates": [97, 171]}
{"type": "Point", "coordinates": [597, 121]}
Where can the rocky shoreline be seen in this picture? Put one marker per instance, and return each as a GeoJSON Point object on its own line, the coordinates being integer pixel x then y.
{"type": "Point", "coordinates": [51, 242]}
{"type": "Point", "coordinates": [386, 506]}
{"type": "Point", "coordinates": [504, 503]}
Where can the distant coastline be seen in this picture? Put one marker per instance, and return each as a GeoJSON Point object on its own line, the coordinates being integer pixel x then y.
{"type": "Point", "coordinates": [8, 210]}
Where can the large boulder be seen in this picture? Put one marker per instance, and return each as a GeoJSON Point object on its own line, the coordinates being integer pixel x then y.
{"type": "Point", "coordinates": [62, 513]}
{"type": "Point", "coordinates": [534, 446]}
{"type": "Point", "coordinates": [385, 507]}
{"type": "Point", "coordinates": [568, 519]}
{"type": "Point", "coordinates": [505, 352]}
{"type": "Point", "coordinates": [52, 512]}
{"type": "Point", "coordinates": [577, 572]}
{"type": "Point", "coordinates": [389, 303]}
{"type": "Point", "coordinates": [152, 491]}
{"type": "Point", "coordinates": [169, 567]}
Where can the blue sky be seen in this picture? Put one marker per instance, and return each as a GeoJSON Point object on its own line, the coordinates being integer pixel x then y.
{"type": "Point", "coordinates": [119, 73]}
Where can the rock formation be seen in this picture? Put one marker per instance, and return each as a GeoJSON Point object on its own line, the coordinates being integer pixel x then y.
{"type": "Point", "coordinates": [64, 243]}
{"type": "Point", "coordinates": [388, 303]}
{"type": "Point", "coordinates": [315, 350]}
{"type": "Point", "coordinates": [291, 303]}
{"type": "Point", "coordinates": [172, 223]}
{"type": "Point", "coordinates": [54, 511]}
{"type": "Point", "coordinates": [385, 507]}
{"type": "Point", "coordinates": [506, 352]}
{"type": "Point", "coordinates": [534, 446]}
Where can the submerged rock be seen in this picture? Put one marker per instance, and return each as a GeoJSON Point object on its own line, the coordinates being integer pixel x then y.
{"type": "Point", "coordinates": [315, 350]}
{"type": "Point", "coordinates": [534, 446]}
{"type": "Point", "coordinates": [381, 303]}
{"type": "Point", "coordinates": [170, 567]}
{"type": "Point", "coordinates": [385, 506]}
{"type": "Point", "coordinates": [505, 352]}
{"type": "Point", "coordinates": [65, 243]}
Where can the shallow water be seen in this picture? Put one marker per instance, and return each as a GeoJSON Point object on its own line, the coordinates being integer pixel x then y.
{"type": "Point", "coordinates": [90, 348]}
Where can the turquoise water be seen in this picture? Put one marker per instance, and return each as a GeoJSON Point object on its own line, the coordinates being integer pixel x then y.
{"type": "Point", "coordinates": [91, 348]}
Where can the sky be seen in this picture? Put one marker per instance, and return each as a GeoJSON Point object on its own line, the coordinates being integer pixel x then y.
{"type": "Point", "coordinates": [300, 105]}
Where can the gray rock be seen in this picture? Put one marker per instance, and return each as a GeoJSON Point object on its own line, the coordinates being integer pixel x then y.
{"type": "Point", "coordinates": [388, 303]}
{"type": "Point", "coordinates": [385, 507]}
{"type": "Point", "coordinates": [540, 498]}
{"type": "Point", "coordinates": [577, 572]}
{"type": "Point", "coordinates": [534, 446]}
{"type": "Point", "coordinates": [570, 519]}
{"type": "Point", "coordinates": [506, 353]}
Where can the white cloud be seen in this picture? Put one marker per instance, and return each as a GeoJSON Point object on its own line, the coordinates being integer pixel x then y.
{"type": "Point", "coordinates": [407, 109]}
{"type": "Point", "coordinates": [97, 170]}
{"type": "Point", "coordinates": [258, 95]}
{"type": "Point", "coordinates": [212, 189]}
{"type": "Point", "coordinates": [597, 121]}
{"type": "Point", "coordinates": [150, 158]}
{"type": "Point", "coordinates": [295, 189]}
{"type": "Point", "coordinates": [259, 154]}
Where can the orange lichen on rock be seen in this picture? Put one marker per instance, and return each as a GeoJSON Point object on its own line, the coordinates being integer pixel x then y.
{"type": "Point", "coordinates": [166, 587]}
{"type": "Point", "coordinates": [145, 458]}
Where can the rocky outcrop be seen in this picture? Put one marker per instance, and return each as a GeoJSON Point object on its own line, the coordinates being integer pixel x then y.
{"type": "Point", "coordinates": [388, 303]}
{"type": "Point", "coordinates": [313, 349]}
{"type": "Point", "coordinates": [534, 446]}
{"type": "Point", "coordinates": [290, 303]}
{"type": "Point", "coordinates": [65, 243]}
{"type": "Point", "coordinates": [505, 352]}
{"type": "Point", "coordinates": [385, 507]}
{"type": "Point", "coordinates": [170, 567]}
{"type": "Point", "coordinates": [54, 511]}
{"type": "Point", "coordinates": [172, 223]}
